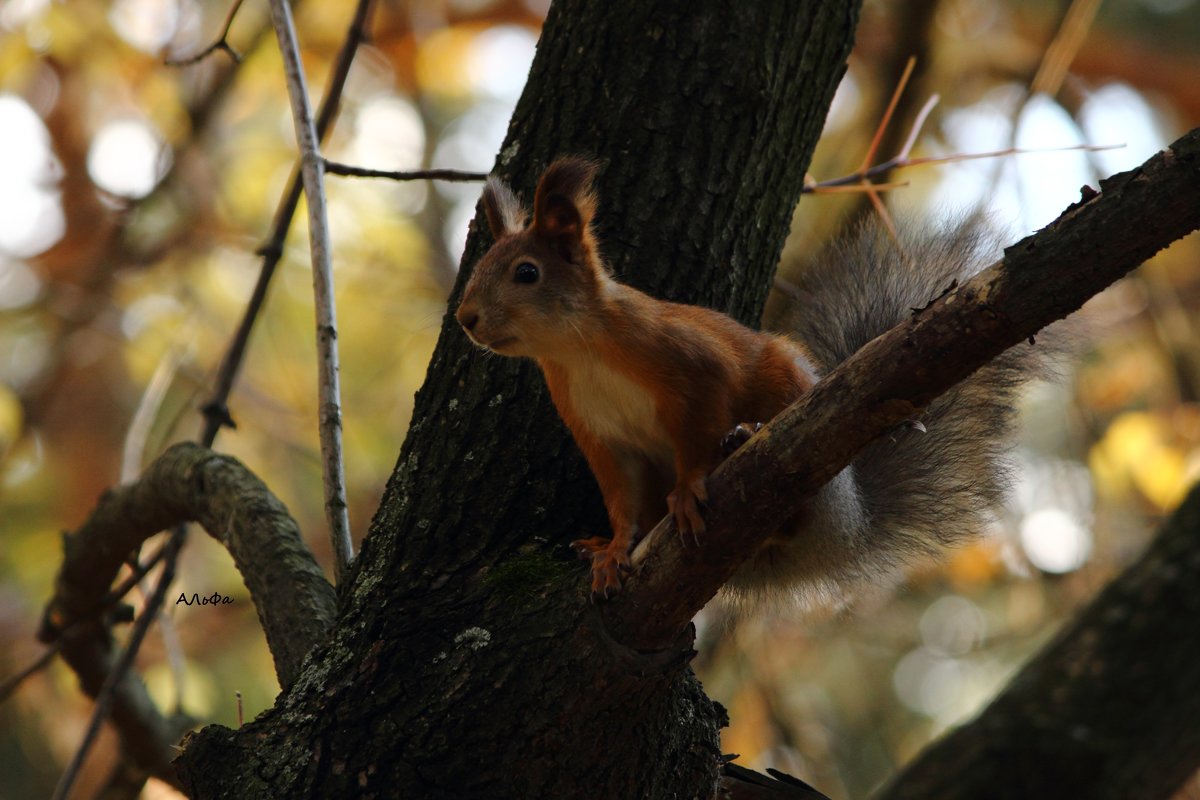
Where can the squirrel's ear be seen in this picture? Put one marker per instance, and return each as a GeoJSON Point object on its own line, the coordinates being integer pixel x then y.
{"type": "Point", "coordinates": [564, 205]}
{"type": "Point", "coordinates": [504, 213]}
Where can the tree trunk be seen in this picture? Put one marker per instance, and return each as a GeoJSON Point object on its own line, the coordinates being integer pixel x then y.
{"type": "Point", "coordinates": [1107, 711]}
{"type": "Point", "coordinates": [467, 661]}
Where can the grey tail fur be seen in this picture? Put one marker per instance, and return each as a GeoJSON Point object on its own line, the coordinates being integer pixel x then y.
{"type": "Point", "coordinates": [908, 494]}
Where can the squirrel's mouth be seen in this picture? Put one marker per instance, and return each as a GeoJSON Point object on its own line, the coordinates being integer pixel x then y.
{"type": "Point", "coordinates": [499, 343]}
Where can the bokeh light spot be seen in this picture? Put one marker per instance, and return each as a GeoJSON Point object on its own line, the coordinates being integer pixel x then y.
{"type": "Point", "coordinates": [31, 218]}
{"type": "Point", "coordinates": [127, 158]}
{"type": "Point", "coordinates": [1054, 542]}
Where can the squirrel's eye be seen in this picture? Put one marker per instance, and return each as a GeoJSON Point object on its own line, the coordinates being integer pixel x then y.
{"type": "Point", "coordinates": [526, 273]}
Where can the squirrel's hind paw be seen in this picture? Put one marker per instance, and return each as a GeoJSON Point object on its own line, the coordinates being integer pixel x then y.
{"type": "Point", "coordinates": [684, 505]}
{"type": "Point", "coordinates": [609, 562]}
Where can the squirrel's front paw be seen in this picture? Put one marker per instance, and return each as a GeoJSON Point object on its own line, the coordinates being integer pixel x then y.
{"type": "Point", "coordinates": [609, 561]}
{"type": "Point", "coordinates": [684, 505]}
{"type": "Point", "coordinates": [738, 436]}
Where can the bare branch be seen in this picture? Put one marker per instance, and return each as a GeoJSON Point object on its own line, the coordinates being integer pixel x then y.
{"type": "Point", "coordinates": [918, 123]}
{"type": "Point", "coordinates": [312, 170]}
{"type": "Point", "coordinates": [1061, 52]}
{"type": "Point", "coordinates": [222, 43]}
{"type": "Point", "coordinates": [854, 180]}
{"type": "Point", "coordinates": [453, 175]}
{"type": "Point", "coordinates": [216, 409]}
{"type": "Point", "coordinates": [909, 66]}
{"type": "Point", "coordinates": [144, 731]}
{"type": "Point", "coordinates": [120, 669]}
{"type": "Point", "coordinates": [894, 376]}
{"type": "Point", "coordinates": [106, 604]}
{"type": "Point", "coordinates": [11, 683]}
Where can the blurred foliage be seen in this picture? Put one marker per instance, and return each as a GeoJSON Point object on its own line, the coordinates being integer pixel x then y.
{"type": "Point", "coordinates": [135, 195]}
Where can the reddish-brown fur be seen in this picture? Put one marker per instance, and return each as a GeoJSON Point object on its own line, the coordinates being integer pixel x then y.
{"type": "Point", "coordinates": [646, 387]}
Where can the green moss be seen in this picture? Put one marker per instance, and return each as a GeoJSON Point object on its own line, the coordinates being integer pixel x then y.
{"type": "Point", "coordinates": [526, 576]}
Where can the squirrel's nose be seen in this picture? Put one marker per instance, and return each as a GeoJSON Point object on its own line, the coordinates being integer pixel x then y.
{"type": "Point", "coordinates": [467, 318]}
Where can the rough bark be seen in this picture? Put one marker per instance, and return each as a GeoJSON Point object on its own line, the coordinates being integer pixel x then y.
{"type": "Point", "coordinates": [467, 662]}
{"type": "Point", "coordinates": [1107, 711]}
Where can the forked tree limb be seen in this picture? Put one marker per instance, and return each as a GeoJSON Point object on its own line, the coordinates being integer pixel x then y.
{"type": "Point", "coordinates": [1041, 279]}
{"type": "Point", "coordinates": [295, 603]}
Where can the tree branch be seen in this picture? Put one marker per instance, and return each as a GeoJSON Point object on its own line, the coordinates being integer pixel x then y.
{"type": "Point", "coordinates": [1106, 234]}
{"type": "Point", "coordinates": [216, 409]}
{"type": "Point", "coordinates": [118, 674]}
{"type": "Point", "coordinates": [453, 175]}
{"type": "Point", "coordinates": [312, 170]}
{"type": "Point", "coordinates": [295, 603]}
{"type": "Point", "coordinates": [739, 783]}
{"type": "Point", "coordinates": [221, 43]}
{"type": "Point", "coordinates": [108, 603]}
{"type": "Point", "coordinates": [147, 736]}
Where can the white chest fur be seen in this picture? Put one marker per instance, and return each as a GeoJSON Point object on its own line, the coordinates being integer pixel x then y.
{"type": "Point", "coordinates": [617, 409]}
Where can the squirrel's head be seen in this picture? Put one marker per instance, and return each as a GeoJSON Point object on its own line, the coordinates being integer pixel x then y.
{"type": "Point", "coordinates": [529, 293]}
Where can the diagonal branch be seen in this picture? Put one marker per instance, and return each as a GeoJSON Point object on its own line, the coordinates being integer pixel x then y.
{"type": "Point", "coordinates": [216, 409]}
{"type": "Point", "coordinates": [1106, 235]}
{"type": "Point", "coordinates": [312, 170]}
{"type": "Point", "coordinates": [118, 674]}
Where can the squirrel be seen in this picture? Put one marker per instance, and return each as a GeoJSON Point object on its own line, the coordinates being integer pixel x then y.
{"type": "Point", "coordinates": [656, 393]}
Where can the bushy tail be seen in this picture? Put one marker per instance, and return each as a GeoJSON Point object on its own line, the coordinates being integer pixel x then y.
{"type": "Point", "coordinates": [909, 493]}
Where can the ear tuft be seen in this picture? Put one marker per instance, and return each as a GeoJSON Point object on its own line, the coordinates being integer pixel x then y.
{"type": "Point", "coordinates": [505, 216]}
{"type": "Point", "coordinates": [565, 203]}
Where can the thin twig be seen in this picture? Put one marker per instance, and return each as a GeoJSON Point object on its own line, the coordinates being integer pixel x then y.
{"type": "Point", "coordinates": [1062, 50]}
{"type": "Point", "coordinates": [877, 139]}
{"type": "Point", "coordinates": [13, 681]}
{"type": "Point", "coordinates": [454, 175]}
{"type": "Point", "coordinates": [222, 43]}
{"type": "Point", "coordinates": [216, 409]}
{"type": "Point", "coordinates": [124, 661]}
{"type": "Point", "coordinates": [918, 123]}
{"type": "Point", "coordinates": [109, 600]}
{"type": "Point", "coordinates": [133, 449]}
{"type": "Point", "coordinates": [820, 188]}
{"type": "Point", "coordinates": [900, 163]}
{"type": "Point", "coordinates": [887, 114]}
{"type": "Point", "coordinates": [312, 170]}
{"type": "Point", "coordinates": [132, 580]}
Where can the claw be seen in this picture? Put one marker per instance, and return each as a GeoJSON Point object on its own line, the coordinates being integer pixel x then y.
{"type": "Point", "coordinates": [738, 436]}
{"type": "Point", "coordinates": [910, 425]}
{"type": "Point", "coordinates": [609, 561]}
{"type": "Point", "coordinates": [684, 505]}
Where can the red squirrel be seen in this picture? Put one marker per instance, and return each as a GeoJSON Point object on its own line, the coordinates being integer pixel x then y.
{"type": "Point", "coordinates": [649, 388]}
